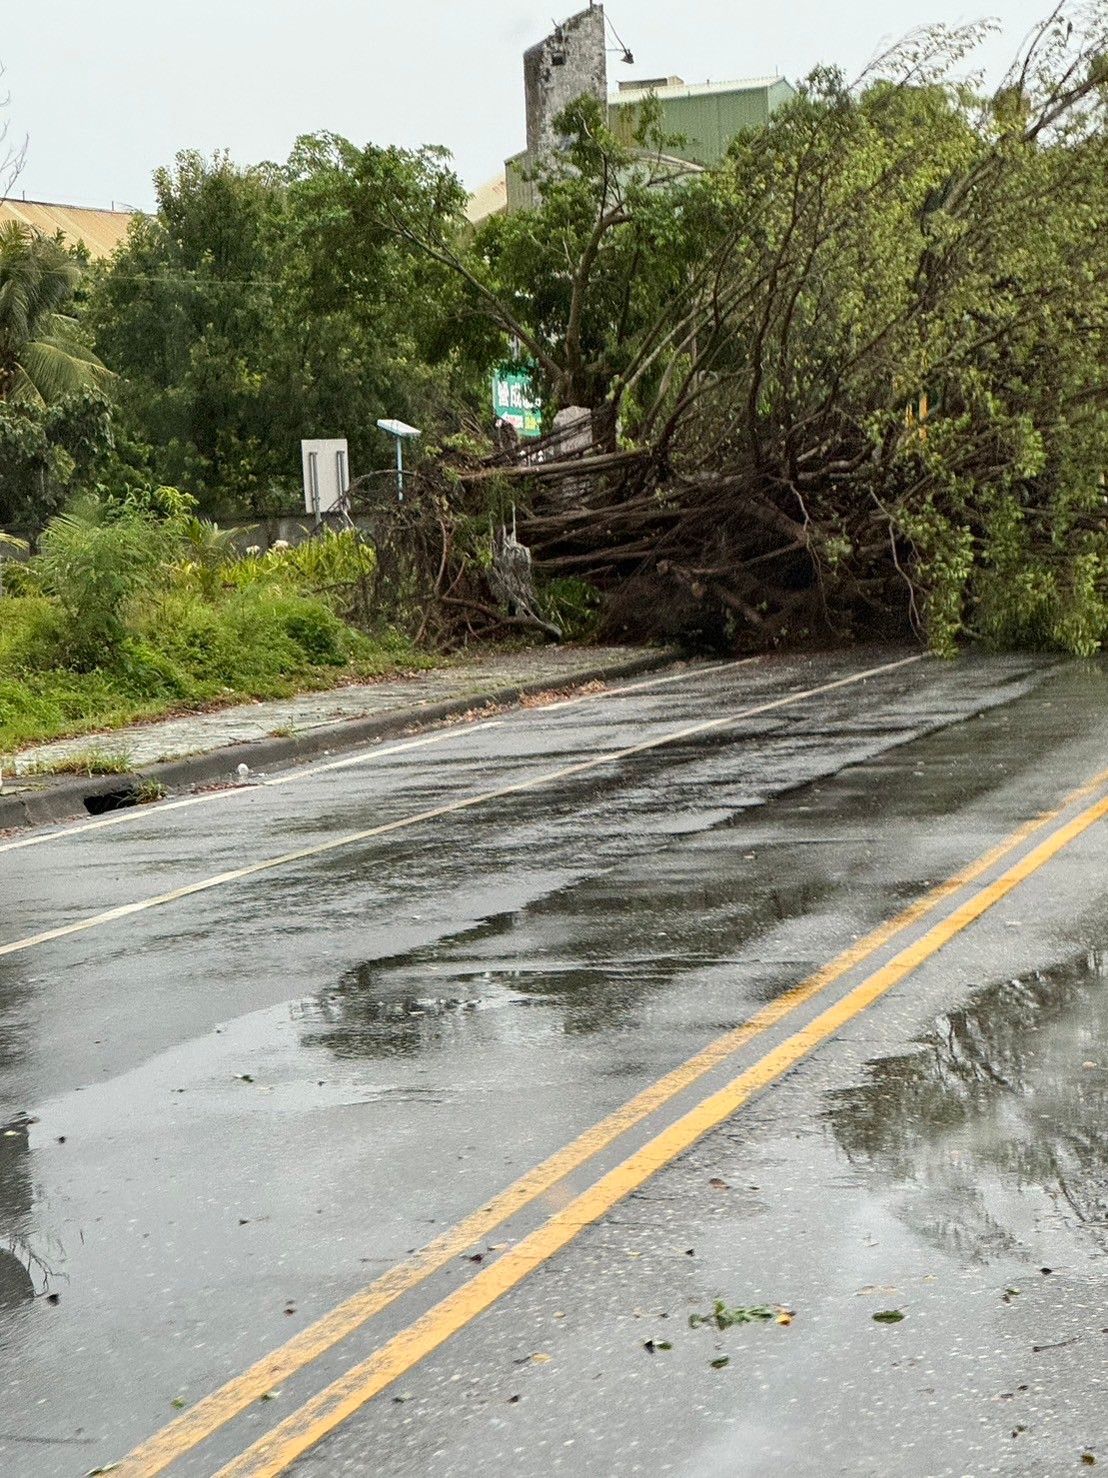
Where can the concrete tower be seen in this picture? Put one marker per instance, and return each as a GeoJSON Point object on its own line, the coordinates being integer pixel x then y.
{"type": "Point", "coordinates": [570, 62]}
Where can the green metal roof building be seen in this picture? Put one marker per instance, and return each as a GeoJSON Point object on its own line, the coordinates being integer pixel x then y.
{"type": "Point", "coordinates": [707, 115]}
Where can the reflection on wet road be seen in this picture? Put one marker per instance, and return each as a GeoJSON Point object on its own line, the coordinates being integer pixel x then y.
{"type": "Point", "coordinates": [999, 1116]}
{"type": "Point", "coordinates": [221, 1117]}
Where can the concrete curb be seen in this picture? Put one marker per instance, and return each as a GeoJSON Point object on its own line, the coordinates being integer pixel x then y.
{"type": "Point", "coordinates": [66, 796]}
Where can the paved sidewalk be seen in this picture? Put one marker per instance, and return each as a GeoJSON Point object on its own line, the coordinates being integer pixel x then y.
{"type": "Point", "coordinates": [200, 733]}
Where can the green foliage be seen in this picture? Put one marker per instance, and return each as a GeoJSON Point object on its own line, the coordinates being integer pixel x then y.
{"type": "Point", "coordinates": [93, 559]}
{"type": "Point", "coordinates": [44, 358]}
{"type": "Point", "coordinates": [333, 561]}
{"type": "Point", "coordinates": [31, 631]}
{"type": "Point", "coordinates": [854, 375]}
{"type": "Point", "coordinates": [632, 224]}
{"type": "Point", "coordinates": [49, 452]}
{"type": "Point", "coordinates": [55, 424]}
{"type": "Point", "coordinates": [573, 606]}
{"type": "Point", "coordinates": [254, 638]}
{"type": "Point", "coordinates": [262, 305]}
{"type": "Point", "coordinates": [136, 607]}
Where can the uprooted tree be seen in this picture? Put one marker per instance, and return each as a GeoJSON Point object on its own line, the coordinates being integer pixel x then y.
{"type": "Point", "coordinates": [851, 381]}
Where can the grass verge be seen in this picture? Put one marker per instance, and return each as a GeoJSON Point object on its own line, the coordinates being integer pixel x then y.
{"type": "Point", "coordinates": [93, 761]}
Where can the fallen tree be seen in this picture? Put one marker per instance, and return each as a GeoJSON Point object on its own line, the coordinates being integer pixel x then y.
{"type": "Point", "coordinates": [851, 381]}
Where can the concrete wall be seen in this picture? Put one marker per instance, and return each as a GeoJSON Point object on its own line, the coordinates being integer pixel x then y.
{"type": "Point", "coordinates": [293, 530]}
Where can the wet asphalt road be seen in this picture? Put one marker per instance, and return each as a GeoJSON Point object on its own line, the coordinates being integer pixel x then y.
{"type": "Point", "coordinates": [228, 1112]}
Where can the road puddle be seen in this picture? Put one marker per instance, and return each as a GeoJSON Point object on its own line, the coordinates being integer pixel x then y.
{"type": "Point", "coordinates": [995, 1127]}
{"type": "Point", "coordinates": [22, 1274]}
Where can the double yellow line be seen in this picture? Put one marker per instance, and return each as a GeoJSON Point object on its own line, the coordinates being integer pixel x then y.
{"type": "Point", "coordinates": [277, 1449]}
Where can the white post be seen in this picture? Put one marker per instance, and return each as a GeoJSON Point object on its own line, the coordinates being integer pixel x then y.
{"type": "Point", "coordinates": [399, 431]}
{"type": "Point", "coordinates": [313, 476]}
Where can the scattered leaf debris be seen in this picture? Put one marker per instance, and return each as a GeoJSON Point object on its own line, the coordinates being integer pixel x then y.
{"type": "Point", "coordinates": [725, 1318]}
{"type": "Point", "coordinates": [888, 1316]}
{"type": "Point", "coordinates": [720, 1361]}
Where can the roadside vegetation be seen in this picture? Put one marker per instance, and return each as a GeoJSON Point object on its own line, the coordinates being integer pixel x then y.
{"type": "Point", "coordinates": [848, 383]}
{"type": "Point", "coordinates": [92, 761]}
{"type": "Point", "coordinates": [133, 609]}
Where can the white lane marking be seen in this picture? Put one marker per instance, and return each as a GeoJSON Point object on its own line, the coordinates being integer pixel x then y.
{"type": "Point", "coordinates": [464, 803]}
{"type": "Point", "coordinates": [656, 682]}
{"type": "Point", "coordinates": [141, 814]}
{"type": "Point", "coordinates": [305, 772]}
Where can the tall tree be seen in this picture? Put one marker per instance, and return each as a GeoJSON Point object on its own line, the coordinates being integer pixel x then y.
{"type": "Point", "coordinates": [850, 380]}
{"type": "Point", "coordinates": [255, 308]}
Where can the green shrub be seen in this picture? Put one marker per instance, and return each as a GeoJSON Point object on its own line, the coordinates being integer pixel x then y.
{"type": "Point", "coordinates": [332, 562]}
{"type": "Point", "coordinates": [316, 630]}
{"type": "Point", "coordinates": [32, 633]}
{"type": "Point", "coordinates": [132, 611]}
{"type": "Point", "coordinates": [21, 578]}
{"type": "Point", "coordinates": [145, 672]}
{"type": "Point", "coordinates": [573, 605]}
{"type": "Point", "coordinates": [94, 557]}
{"type": "Point", "coordinates": [251, 640]}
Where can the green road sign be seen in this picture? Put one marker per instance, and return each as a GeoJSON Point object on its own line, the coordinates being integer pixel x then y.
{"type": "Point", "coordinates": [512, 401]}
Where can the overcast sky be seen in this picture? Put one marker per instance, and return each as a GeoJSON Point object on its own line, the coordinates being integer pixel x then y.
{"type": "Point", "coordinates": [106, 90]}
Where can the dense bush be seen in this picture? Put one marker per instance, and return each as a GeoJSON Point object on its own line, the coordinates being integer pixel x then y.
{"type": "Point", "coordinates": [135, 606]}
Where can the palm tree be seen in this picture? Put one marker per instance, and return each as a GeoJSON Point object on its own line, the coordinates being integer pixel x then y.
{"type": "Point", "coordinates": [42, 356]}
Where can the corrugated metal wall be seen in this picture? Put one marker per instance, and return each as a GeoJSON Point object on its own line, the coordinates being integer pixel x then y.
{"type": "Point", "coordinates": [708, 121]}
{"type": "Point", "coordinates": [100, 230]}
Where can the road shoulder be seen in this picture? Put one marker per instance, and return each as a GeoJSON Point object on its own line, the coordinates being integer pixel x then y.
{"type": "Point", "coordinates": [207, 749]}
